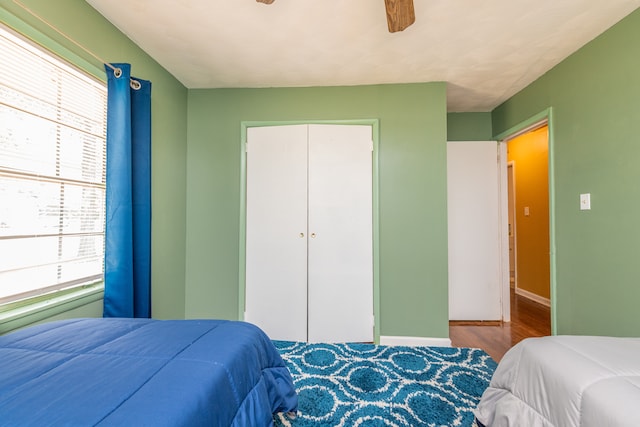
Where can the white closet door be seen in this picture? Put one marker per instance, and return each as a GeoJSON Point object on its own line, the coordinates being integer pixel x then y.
{"type": "Point", "coordinates": [474, 232]}
{"type": "Point", "coordinates": [276, 236]}
{"type": "Point", "coordinates": [341, 237]}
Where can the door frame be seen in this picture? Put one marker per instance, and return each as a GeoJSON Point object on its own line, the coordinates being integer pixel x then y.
{"type": "Point", "coordinates": [544, 117]}
{"type": "Point", "coordinates": [375, 188]}
{"type": "Point", "coordinates": [511, 195]}
{"type": "Point", "coordinates": [503, 212]}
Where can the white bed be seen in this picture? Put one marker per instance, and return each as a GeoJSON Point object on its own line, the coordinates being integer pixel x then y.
{"type": "Point", "coordinates": [565, 381]}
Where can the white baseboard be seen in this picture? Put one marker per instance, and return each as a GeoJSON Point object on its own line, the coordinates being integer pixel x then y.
{"type": "Point", "coordinates": [415, 341]}
{"type": "Point", "coordinates": [534, 297]}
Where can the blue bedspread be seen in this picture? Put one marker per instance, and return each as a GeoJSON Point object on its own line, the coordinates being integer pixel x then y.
{"type": "Point", "coordinates": [142, 372]}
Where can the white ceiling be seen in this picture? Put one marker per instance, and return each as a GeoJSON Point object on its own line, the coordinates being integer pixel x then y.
{"type": "Point", "coordinates": [486, 50]}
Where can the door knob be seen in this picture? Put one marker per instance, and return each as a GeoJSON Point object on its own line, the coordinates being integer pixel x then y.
{"type": "Point", "coordinates": [313, 235]}
{"type": "Point", "coordinates": [301, 235]}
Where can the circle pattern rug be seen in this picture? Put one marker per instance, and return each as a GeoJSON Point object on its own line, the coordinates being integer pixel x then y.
{"type": "Point", "coordinates": [366, 385]}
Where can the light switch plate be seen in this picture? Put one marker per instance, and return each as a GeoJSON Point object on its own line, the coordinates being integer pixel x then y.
{"type": "Point", "coordinates": [585, 202]}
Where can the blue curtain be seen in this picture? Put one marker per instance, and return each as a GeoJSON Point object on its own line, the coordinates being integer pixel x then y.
{"type": "Point", "coordinates": [127, 276]}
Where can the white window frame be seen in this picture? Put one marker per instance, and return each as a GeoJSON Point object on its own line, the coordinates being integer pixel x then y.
{"type": "Point", "coordinates": [63, 296]}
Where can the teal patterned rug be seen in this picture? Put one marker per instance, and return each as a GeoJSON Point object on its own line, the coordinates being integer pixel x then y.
{"type": "Point", "coordinates": [366, 385]}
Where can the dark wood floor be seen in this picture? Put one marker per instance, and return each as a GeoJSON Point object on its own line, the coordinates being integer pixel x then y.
{"type": "Point", "coordinates": [528, 319]}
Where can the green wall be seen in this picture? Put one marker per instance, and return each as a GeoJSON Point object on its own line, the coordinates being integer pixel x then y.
{"type": "Point", "coordinates": [82, 23]}
{"type": "Point", "coordinates": [412, 176]}
{"type": "Point", "coordinates": [594, 95]}
{"type": "Point", "coordinates": [595, 99]}
{"type": "Point", "coordinates": [469, 127]}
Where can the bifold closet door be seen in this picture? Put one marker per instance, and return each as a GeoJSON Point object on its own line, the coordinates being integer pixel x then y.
{"type": "Point", "coordinates": [276, 233]}
{"type": "Point", "coordinates": [309, 245]}
{"type": "Point", "coordinates": [341, 234]}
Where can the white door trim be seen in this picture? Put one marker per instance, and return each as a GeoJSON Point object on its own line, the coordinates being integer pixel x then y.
{"type": "Point", "coordinates": [514, 230]}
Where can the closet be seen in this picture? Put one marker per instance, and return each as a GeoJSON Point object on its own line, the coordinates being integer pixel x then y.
{"type": "Point", "coordinates": [309, 239]}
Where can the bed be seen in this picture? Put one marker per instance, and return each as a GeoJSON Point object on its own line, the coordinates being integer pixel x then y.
{"type": "Point", "coordinates": [565, 381]}
{"type": "Point", "coordinates": [142, 372]}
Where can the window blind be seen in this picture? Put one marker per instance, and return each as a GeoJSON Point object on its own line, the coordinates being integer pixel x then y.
{"type": "Point", "coordinates": [52, 172]}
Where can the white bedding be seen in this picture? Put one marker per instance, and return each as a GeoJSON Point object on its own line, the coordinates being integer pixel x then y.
{"type": "Point", "coordinates": [565, 381]}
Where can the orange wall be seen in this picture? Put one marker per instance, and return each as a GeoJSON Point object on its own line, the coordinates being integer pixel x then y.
{"type": "Point", "coordinates": [529, 154]}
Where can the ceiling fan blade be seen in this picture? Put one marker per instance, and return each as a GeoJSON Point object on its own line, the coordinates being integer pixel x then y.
{"type": "Point", "coordinates": [265, 1]}
{"type": "Point", "coordinates": [400, 14]}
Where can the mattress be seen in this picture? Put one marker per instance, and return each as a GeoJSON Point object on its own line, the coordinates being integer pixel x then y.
{"type": "Point", "coordinates": [142, 372]}
{"type": "Point", "coordinates": [565, 381]}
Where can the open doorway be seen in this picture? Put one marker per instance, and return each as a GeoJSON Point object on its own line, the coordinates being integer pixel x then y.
{"type": "Point", "coordinates": [528, 174]}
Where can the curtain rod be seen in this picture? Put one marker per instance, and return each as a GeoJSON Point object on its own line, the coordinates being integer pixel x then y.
{"type": "Point", "coordinates": [116, 71]}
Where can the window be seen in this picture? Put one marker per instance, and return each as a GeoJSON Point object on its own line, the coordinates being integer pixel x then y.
{"type": "Point", "coordinates": [52, 172]}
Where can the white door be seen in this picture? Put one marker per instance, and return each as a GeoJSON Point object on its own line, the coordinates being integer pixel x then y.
{"type": "Point", "coordinates": [309, 250]}
{"type": "Point", "coordinates": [474, 231]}
{"type": "Point", "coordinates": [341, 234]}
{"type": "Point", "coordinates": [276, 243]}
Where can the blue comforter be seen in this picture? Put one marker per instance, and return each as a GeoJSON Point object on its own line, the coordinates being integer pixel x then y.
{"type": "Point", "coordinates": [142, 372]}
